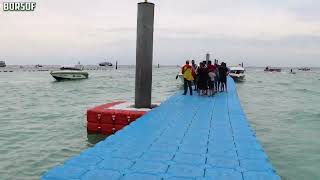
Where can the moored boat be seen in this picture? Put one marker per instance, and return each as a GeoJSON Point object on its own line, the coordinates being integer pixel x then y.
{"type": "Point", "coordinates": [105, 64]}
{"type": "Point", "coordinates": [304, 69]}
{"type": "Point", "coordinates": [70, 68]}
{"type": "Point", "coordinates": [69, 75]}
{"type": "Point", "coordinates": [272, 69]}
{"type": "Point", "coordinates": [237, 73]}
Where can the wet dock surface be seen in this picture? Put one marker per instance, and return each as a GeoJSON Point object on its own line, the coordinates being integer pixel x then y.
{"type": "Point", "coordinates": [187, 137]}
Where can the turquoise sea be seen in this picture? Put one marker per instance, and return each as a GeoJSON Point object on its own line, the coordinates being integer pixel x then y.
{"type": "Point", "coordinates": [43, 122]}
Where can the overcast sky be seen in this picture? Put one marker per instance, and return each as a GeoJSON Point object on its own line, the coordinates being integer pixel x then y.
{"type": "Point", "coordinates": [257, 32]}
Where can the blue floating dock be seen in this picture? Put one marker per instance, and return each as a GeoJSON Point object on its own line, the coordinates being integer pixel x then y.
{"type": "Point", "coordinates": [187, 137]}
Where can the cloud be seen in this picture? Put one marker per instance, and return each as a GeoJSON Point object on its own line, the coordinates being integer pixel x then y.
{"type": "Point", "coordinates": [267, 31]}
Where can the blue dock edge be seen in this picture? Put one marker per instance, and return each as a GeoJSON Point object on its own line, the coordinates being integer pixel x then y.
{"type": "Point", "coordinates": [187, 137]}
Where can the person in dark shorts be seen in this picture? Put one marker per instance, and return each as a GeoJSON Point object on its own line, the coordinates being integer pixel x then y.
{"type": "Point", "coordinates": [203, 79]}
{"type": "Point", "coordinates": [194, 74]}
{"type": "Point", "coordinates": [188, 78]}
{"type": "Point", "coordinates": [217, 79]}
{"type": "Point", "coordinates": [223, 73]}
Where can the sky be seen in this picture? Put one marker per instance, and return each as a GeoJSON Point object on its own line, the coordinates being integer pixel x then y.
{"type": "Point", "coordinates": [256, 32]}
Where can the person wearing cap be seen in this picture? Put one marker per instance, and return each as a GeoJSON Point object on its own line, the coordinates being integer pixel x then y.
{"type": "Point", "coordinates": [188, 77]}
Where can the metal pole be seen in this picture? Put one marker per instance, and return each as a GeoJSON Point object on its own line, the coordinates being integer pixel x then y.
{"type": "Point", "coordinates": [144, 53]}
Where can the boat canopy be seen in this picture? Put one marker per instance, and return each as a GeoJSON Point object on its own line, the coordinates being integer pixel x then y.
{"type": "Point", "coordinates": [70, 68]}
{"type": "Point", "coordinates": [236, 68]}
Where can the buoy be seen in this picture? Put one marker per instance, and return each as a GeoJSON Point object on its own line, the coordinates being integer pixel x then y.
{"type": "Point", "coordinates": [112, 117]}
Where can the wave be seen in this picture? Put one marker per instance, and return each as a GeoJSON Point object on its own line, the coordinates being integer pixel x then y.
{"type": "Point", "coordinates": [304, 90]}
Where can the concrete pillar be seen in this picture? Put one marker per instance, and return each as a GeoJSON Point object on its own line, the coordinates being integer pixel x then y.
{"type": "Point", "coordinates": [144, 53]}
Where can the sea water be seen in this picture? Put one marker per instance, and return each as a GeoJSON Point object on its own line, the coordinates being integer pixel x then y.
{"type": "Point", "coordinates": [43, 122]}
{"type": "Point", "coordinates": [284, 110]}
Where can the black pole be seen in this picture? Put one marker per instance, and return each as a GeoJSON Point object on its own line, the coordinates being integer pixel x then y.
{"type": "Point", "coordinates": [144, 55]}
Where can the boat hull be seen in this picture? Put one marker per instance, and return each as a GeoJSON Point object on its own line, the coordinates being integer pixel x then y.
{"type": "Point", "coordinates": [237, 77]}
{"type": "Point", "coordinates": [304, 69]}
{"type": "Point", "coordinates": [272, 70]}
{"type": "Point", "coordinates": [106, 64]}
{"type": "Point", "coordinates": [69, 75]}
{"type": "Point", "coordinates": [237, 73]}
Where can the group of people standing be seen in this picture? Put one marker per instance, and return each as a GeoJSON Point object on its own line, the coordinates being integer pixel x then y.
{"type": "Point", "coordinates": [207, 78]}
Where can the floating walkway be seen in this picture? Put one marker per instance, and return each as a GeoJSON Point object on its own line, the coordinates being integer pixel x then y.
{"type": "Point", "coordinates": [187, 137]}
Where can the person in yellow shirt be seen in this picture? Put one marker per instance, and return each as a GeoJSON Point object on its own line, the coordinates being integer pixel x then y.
{"type": "Point", "coordinates": [188, 77]}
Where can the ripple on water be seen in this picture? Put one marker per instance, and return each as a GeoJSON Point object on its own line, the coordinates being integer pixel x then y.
{"type": "Point", "coordinates": [286, 120]}
{"type": "Point", "coordinates": [312, 92]}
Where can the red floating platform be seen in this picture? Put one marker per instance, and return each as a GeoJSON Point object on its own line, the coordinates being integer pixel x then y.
{"type": "Point", "coordinates": [109, 118]}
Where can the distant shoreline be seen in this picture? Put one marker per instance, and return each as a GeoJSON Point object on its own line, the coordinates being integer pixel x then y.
{"type": "Point", "coordinates": [155, 65]}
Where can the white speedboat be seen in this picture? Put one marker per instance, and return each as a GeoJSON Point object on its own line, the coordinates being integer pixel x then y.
{"type": "Point", "coordinates": [69, 73]}
{"type": "Point", "coordinates": [237, 73]}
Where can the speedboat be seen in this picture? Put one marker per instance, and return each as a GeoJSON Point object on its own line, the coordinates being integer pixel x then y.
{"type": "Point", "coordinates": [304, 69]}
{"type": "Point", "coordinates": [271, 69]}
{"type": "Point", "coordinates": [105, 64]}
{"type": "Point", "coordinates": [69, 73]}
{"type": "Point", "coordinates": [237, 73]}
